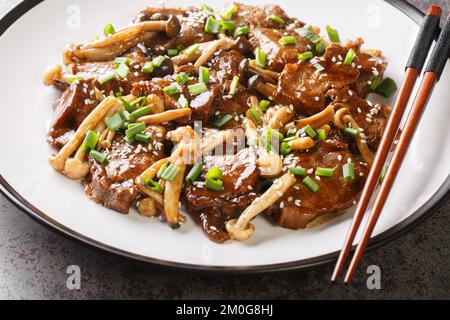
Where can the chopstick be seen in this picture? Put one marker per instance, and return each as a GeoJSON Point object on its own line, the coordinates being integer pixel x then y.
{"type": "Point", "coordinates": [414, 67]}
{"type": "Point", "coordinates": [432, 75]}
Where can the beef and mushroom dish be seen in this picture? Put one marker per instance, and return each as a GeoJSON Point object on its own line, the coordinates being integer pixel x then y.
{"type": "Point", "coordinates": [223, 114]}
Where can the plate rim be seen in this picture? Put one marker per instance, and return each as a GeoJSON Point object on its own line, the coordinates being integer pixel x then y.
{"type": "Point", "coordinates": [389, 235]}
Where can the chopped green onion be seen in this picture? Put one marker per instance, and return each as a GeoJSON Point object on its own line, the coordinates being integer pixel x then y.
{"type": "Point", "coordinates": [348, 171]}
{"type": "Point", "coordinates": [170, 173]}
{"type": "Point", "coordinates": [261, 58]}
{"type": "Point", "coordinates": [179, 47]}
{"type": "Point", "coordinates": [241, 31]}
{"type": "Point", "coordinates": [182, 101]}
{"type": "Point", "coordinates": [310, 131]}
{"type": "Point", "coordinates": [227, 25]}
{"type": "Point", "coordinates": [322, 134]}
{"type": "Point", "coordinates": [133, 131]}
{"type": "Point", "coordinates": [125, 115]}
{"type": "Point", "coordinates": [287, 40]}
{"type": "Point", "coordinates": [114, 123]}
{"type": "Point", "coordinates": [158, 61]}
{"type": "Point", "coordinates": [311, 184]}
{"type": "Point", "coordinates": [148, 67]}
{"type": "Point", "coordinates": [74, 78]}
{"type": "Point", "coordinates": [321, 47]}
{"type": "Point", "coordinates": [204, 7]}
{"type": "Point", "coordinates": [292, 132]}
{"type": "Point", "coordinates": [212, 26]}
{"type": "Point", "coordinates": [305, 55]}
{"type": "Point", "coordinates": [277, 19]}
{"type": "Point", "coordinates": [387, 87]}
{"type": "Point", "coordinates": [153, 185]}
{"type": "Point", "coordinates": [214, 185]}
{"type": "Point", "coordinates": [234, 85]}
{"type": "Point", "coordinates": [333, 35]}
{"type": "Point", "coordinates": [125, 125]}
{"type": "Point", "coordinates": [289, 139]}
{"type": "Point", "coordinates": [221, 121]}
{"type": "Point", "coordinates": [128, 107]}
{"type": "Point", "coordinates": [109, 30]}
{"type": "Point", "coordinates": [228, 12]}
{"type": "Point", "coordinates": [351, 132]}
{"type": "Point", "coordinates": [215, 174]}
{"type": "Point", "coordinates": [263, 104]}
{"type": "Point", "coordinates": [198, 88]}
{"type": "Point", "coordinates": [195, 173]}
{"type": "Point", "coordinates": [192, 50]}
{"type": "Point", "coordinates": [274, 134]}
{"type": "Point", "coordinates": [172, 52]}
{"type": "Point", "coordinates": [182, 78]}
{"type": "Point", "coordinates": [324, 172]}
{"type": "Point", "coordinates": [90, 141]}
{"type": "Point", "coordinates": [141, 112]}
{"type": "Point", "coordinates": [297, 171]}
{"type": "Point", "coordinates": [203, 75]}
{"type": "Point", "coordinates": [161, 171]}
{"type": "Point", "coordinates": [98, 156]}
{"type": "Point", "coordinates": [104, 78]}
{"type": "Point", "coordinates": [286, 149]}
{"type": "Point", "coordinates": [171, 90]}
{"type": "Point", "coordinates": [143, 137]}
{"type": "Point", "coordinates": [122, 71]}
{"type": "Point", "coordinates": [375, 83]}
{"type": "Point", "coordinates": [255, 115]}
{"type": "Point", "coordinates": [306, 32]}
{"type": "Point", "coordinates": [129, 140]}
{"type": "Point", "coordinates": [120, 60]}
{"type": "Point", "coordinates": [139, 101]}
{"type": "Point", "coordinates": [118, 94]}
{"type": "Point", "coordinates": [351, 54]}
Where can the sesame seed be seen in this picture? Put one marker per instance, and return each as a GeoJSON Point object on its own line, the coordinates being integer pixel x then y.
{"type": "Point", "coordinates": [281, 205]}
{"type": "Point", "coordinates": [298, 203]}
{"type": "Point", "coordinates": [339, 158]}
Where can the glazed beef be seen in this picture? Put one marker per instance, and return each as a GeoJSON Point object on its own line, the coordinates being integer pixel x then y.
{"type": "Point", "coordinates": [226, 65]}
{"type": "Point", "coordinates": [213, 209]}
{"type": "Point", "coordinates": [71, 109]}
{"type": "Point", "coordinates": [278, 55]}
{"type": "Point", "coordinates": [112, 184]}
{"type": "Point", "coordinates": [236, 106]}
{"type": "Point", "coordinates": [300, 206]}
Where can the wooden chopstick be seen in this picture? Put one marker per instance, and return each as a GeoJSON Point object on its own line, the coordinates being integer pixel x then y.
{"type": "Point", "coordinates": [414, 67]}
{"type": "Point", "coordinates": [432, 75]}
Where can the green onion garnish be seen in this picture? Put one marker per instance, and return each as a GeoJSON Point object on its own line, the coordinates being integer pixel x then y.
{"type": "Point", "coordinates": [198, 88]}
{"type": "Point", "coordinates": [221, 121]}
{"type": "Point", "coordinates": [241, 31]}
{"type": "Point", "coordinates": [104, 78]}
{"type": "Point", "coordinates": [90, 141]}
{"type": "Point", "coordinates": [263, 104]}
{"type": "Point", "coordinates": [141, 112]}
{"type": "Point", "coordinates": [129, 140]}
{"type": "Point", "coordinates": [297, 171]}
{"type": "Point", "coordinates": [387, 87]}
{"type": "Point", "coordinates": [215, 174]}
{"type": "Point", "coordinates": [212, 26]}
{"type": "Point", "coordinates": [139, 101]}
{"type": "Point", "coordinates": [228, 12]}
{"type": "Point", "coordinates": [153, 185]}
{"type": "Point", "coordinates": [143, 137]}
{"type": "Point", "coordinates": [148, 67]}
{"type": "Point", "coordinates": [310, 131]}
{"type": "Point", "coordinates": [171, 90]}
{"type": "Point", "coordinates": [351, 132]}
{"type": "Point", "coordinates": [125, 125]}
{"type": "Point", "coordinates": [203, 75]}
{"type": "Point", "coordinates": [74, 78]}
{"type": "Point", "coordinates": [348, 170]}
{"type": "Point", "coordinates": [321, 47]}
{"type": "Point", "coordinates": [179, 47]}
{"type": "Point", "coordinates": [182, 78]}
{"type": "Point", "coordinates": [109, 30]}
{"type": "Point", "coordinates": [161, 171]}
{"type": "Point", "coordinates": [292, 132]}
{"type": "Point", "coordinates": [158, 61]}
{"type": "Point", "coordinates": [286, 149]}
{"type": "Point", "coordinates": [333, 35]}
{"type": "Point", "coordinates": [195, 173]}
{"type": "Point", "coordinates": [261, 58]}
{"type": "Point", "coordinates": [321, 133]}
{"type": "Point", "coordinates": [182, 101]}
{"type": "Point", "coordinates": [134, 130]}
{"type": "Point", "coordinates": [172, 52]}
{"type": "Point", "coordinates": [375, 83]}
{"type": "Point", "coordinates": [98, 156]}
{"type": "Point", "coordinates": [351, 54]}
{"type": "Point", "coordinates": [123, 70]}
{"type": "Point", "coordinates": [128, 107]}
{"type": "Point", "coordinates": [287, 40]}
{"type": "Point", "coordinates": [227, 25]}
{"type": "Point", "coordinates": [170, 173]}
{"type": "Point", "coordinates": [125, 115]}
{"type": "Point", "coordinates": [324, 172]}
{"type": "Point", "coordinates": [306, 32]}
{"type": "Point", "coordinates": [305, 55]}
{"type": "Point", "coordinates": [214, 185]}
{"type": "Point", "coordinates": [120, 60]}
{"type": "Point", "coordinates": [234, 85]}
{"type": "Point", "coordinates": [311, 184]}
{"type": "Point", "coordinates": [114, 123]}
{"type": "Point", "coordinates": [255, 115]}
{"type": "Point", "coordinates": [204, 7]}
{"type": "Point", "coordinates": [277, 19]}
{"type": "Point", "coordinates": [191, 50]}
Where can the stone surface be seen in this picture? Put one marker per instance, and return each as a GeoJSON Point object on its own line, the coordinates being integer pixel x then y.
{"type": "Point", "coordinates": [33, 263]}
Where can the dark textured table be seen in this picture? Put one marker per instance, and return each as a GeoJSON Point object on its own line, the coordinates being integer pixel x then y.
{"type": "Point", "coordinates": [33, 263]}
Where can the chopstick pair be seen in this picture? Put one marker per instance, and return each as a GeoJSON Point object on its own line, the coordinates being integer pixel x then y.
{"type": "Point", "coordinates": [433, 71]}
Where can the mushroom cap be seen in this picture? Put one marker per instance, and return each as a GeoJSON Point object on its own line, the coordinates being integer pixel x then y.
{"type": "Point", "coordinates": [254, 81]}
{"type": "Point", "coordinates": [51, 74]}
{"type": "Point", "coordinates": [57, 162]}
{"type": "Point", "coordinates": [173, 26]}
{"type": "Point", "coordinates": [239, 234]}
{"type": "Point", "coordinates": [76, 169]}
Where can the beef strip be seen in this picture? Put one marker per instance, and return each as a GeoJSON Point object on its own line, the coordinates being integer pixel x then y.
{"type": "Point", "coordinates": [226, 65]}
{"type": "Point", "coordinates": [278, 55]}
{"type": "Point", "coordinates": [212, 209]}
{"type": "Point", "coordinates": [305, 87]}
{"type": "Point", "coordinates": [112, 184]}
{"type": "Point", "coordinates": [236, 106]}
{"type": "Point", "coordinates": [300, 205]}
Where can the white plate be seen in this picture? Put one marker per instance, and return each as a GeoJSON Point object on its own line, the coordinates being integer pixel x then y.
{"type": "Point", "coordinates": [35, 41]}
